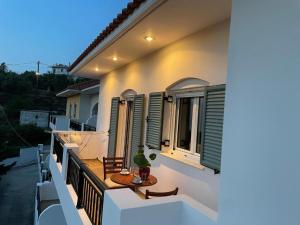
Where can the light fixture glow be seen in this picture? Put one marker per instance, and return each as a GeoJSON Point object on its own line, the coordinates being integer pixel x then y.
{"type": "Point", "coordinates": [115, 58]}
{"type": "Point", "coordinates": [97, 69]}
{"type": "Point", "coordinates": [149, 38]}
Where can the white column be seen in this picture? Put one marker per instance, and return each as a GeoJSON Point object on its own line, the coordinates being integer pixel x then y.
{"type": "Point", "coordinates": [260, 177]}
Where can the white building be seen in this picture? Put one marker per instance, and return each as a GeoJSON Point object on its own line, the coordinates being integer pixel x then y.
{"type": "Point", "coordinates": [163, 67]}
{"type": "Point", "coordinates": [59, 69]}
{"type": "Point", "coordinates": [81, 107]}
{"type": "Point", "coordinates": [38, 118]}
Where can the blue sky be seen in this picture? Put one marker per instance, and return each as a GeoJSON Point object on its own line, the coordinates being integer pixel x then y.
{"type": "Point", "coordinates": [52, 31]}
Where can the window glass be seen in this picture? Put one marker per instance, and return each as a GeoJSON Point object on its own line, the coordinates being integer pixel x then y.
{"type": "Point", "coordinates": [75, 109]}
{"type": "Point", "coordinates": [184, 123]}
{"type": "Point", "coordinates": [70, 111]}
{"type": "Point", "coordinates": [199, 126]}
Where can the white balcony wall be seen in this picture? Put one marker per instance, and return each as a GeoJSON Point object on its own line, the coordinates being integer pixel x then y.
{"type": "Point", "coordinates": [88, 145]}
{"type": "Point", "coordinates": [66, 193]}
{"type": "Point", "coordinates": [52, 215]}
{"type": "Point", "coordinates": [129, 209]}
{"type": "Point", "coordinates": [201, 55]}
{"type": "Point", "coordinates": [62, 123]}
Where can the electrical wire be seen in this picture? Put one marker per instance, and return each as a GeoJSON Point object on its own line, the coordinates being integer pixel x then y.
{"type": "Point", "coordinates": [12, 127]}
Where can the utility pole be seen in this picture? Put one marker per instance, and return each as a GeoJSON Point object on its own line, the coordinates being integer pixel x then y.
{"type": "Point", "coordinates": [37, 74]}
{"type": "Point", "coordinates": [38, 67]}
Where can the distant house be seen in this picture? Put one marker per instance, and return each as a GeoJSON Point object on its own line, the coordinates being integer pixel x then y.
{"type": "Point", "coordinates": [38, 118]}
{"type": "Point", "coordinates": [59, 69]}
{"type": "Point", "coordinates": [81, 107]}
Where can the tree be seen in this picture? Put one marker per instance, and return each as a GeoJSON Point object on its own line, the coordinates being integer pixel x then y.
{"type": "Point", "coordinates": [3, 68]}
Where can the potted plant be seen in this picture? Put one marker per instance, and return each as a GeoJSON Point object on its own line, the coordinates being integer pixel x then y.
{"type": "Point", "coordinates": [143, 163]}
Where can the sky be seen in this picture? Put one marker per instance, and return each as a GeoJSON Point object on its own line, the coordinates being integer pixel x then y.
{"type": "Point", "coordinates": [51, 31]}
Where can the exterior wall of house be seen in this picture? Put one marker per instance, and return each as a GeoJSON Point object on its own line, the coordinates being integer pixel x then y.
{"type": "Point", "coordinates": [37, 118]}
{"type": "Point", "coordinates": [202, 55]}
{"type": "Point", "coordinates": [86, 104]}
{"type": "Point", "coordinates": [93, 100]}
{"type": "Point", "coordinates": [260, 163]}
{"type": "Point", "coordinates": [73, 100]}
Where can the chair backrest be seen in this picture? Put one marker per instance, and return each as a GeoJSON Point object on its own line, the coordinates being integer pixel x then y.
{"type": "Point", "coordinates": [112, 165]}
{"type": "Point", "coordinates": [160, 194]}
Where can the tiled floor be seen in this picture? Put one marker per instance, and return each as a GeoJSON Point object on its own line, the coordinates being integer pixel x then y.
{"type": "Point", "coordinates": [96, 167]}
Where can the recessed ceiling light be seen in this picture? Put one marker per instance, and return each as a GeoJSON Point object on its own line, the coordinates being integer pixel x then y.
{"type": "Point", "coordinates": [115, 58]}
{"type": "Point", "coordinates": [149, 38]}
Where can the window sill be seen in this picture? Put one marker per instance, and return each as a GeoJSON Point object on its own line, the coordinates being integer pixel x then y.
{"type": "Point", "coordinates": [181, 160]}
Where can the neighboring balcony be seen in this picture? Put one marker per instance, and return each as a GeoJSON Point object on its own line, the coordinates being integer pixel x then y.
{"type": "Point", "coordinates": [63, 123]}
{"type": "Point", "coordinates": [77, 169]}
{"type": "Point", "coordinates": [59, 122]}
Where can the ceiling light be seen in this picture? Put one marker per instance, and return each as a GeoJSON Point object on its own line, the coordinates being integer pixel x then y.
{"type": "Point", "coordinates": [97, 69]}
{"type": "Point", "coordinates": [149, 38]}
{"type": "Point", "coordinates": [115, 58]}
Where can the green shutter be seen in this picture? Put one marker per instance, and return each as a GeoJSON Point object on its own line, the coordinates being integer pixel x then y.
{"type": "Point", "coordinates": [155, 120]}
{"type": "Point", "coordinates": [137, 124]}
{"type": "Point", "coordinates": [213, 127]}
{"type": "Point", "coordinates": [113, 126]}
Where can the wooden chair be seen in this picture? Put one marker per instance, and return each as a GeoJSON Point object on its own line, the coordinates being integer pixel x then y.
{"type": "Point", "coordinates": [160, 194]}
{"type": "Point", "coordinates": [110, 166]}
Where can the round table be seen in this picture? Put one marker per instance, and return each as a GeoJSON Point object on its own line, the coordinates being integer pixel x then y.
{"type": "Point", "coordinates": [127, 180]}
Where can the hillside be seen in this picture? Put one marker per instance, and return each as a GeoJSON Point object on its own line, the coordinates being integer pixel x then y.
{"type": "Point", "coordinates": [27, 91]}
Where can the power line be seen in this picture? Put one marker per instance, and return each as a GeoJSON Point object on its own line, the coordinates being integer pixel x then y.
{"type": "Point", "coordinates": [12, 127]}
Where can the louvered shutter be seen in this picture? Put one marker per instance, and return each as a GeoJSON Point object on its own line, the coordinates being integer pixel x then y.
{"type": "Point", "coordinates": [213, 127]}
{"type": "Point", "coordinates": [137, 124]}
{"type": "Point", "coordinates": [113, 126]}
{"type": "Point", "coordinates": [155, 120]}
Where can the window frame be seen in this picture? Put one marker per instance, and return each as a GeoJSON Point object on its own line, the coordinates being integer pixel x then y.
{"type": "Point", "coordinates": [192, 154]}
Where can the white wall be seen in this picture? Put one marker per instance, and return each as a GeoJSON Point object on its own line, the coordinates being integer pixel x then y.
{"type": "Point", "coordinates": [93, 100]}
{"type": "Point", "coordinates": [52, 215]}
{"type": "Point", "coordinates": [37, 118]}
{"type": "Point", "coordinates": [129, 209]}
{"type": "Point", "coordinates": [202, 55]}
{"type": "Point", "coordinates": [260, 180]}
{"type": "Point", "coordinates": [86, 104]}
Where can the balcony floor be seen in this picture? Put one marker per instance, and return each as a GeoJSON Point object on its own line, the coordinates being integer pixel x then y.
{"type": "Point", "coordinates": [96, 166]}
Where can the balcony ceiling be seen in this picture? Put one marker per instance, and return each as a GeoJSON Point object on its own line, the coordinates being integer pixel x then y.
{"type": "Point", "coordinates": [168, 22]}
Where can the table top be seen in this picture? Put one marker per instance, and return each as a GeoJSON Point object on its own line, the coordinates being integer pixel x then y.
{"type": "Point", "coordinates": [127, 180]}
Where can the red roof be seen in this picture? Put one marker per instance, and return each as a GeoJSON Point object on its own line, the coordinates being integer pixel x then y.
{"type": "Point", "coordinates": [126, 12]}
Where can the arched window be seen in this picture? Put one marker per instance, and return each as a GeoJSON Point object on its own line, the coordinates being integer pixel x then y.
{"type": "Point", "coordinates": [75, 111]}
{"type": "Point", "coordinates": [70, 111]}
{"type": "Point", "coordinates": [187, 84]}
{"type": "Point", "coordinates": [95, 109]}
{"type": "Point", "coordinates": [128, 94]}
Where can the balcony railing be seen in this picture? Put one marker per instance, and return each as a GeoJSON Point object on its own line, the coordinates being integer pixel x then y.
{"type": "Point", "coordinates": [58, 149]}
{"type": "Point", "coordinates": [87, 127]}
{"type": "Point", "coordinates": [88, 187]}
{"type": "Point", "coordinates": [53, 119]}
{"type": "Point", "coordinates": [74, 125]}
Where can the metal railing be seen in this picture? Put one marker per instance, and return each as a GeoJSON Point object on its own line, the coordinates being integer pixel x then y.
{"type": "Point", "coordinates": [88, 187]}
{"type": "Point", "coordinates": [58, 149]}
{"type": "Point", "coordinates": [75, 125]}
{"type": "Point", "coordinates": [87, 127]}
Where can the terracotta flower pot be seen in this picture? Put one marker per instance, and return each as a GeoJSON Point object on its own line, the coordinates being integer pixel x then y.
{"type": "Point", "coordinates": [144, 173]}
